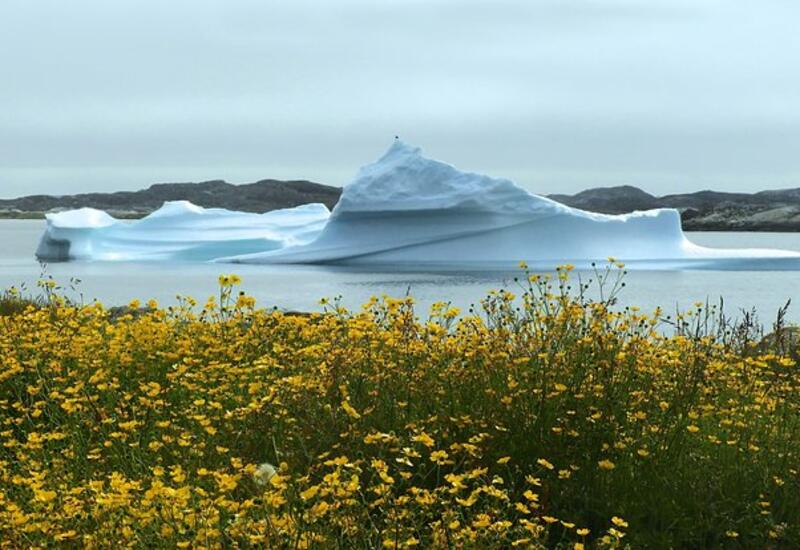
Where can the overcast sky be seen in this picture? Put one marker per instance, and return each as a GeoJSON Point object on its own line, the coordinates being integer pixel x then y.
{"type": "Point", "coordinates": [559, 95]}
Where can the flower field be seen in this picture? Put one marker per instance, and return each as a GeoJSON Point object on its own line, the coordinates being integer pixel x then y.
{"type": "Point", "coordinates": [543, 420]}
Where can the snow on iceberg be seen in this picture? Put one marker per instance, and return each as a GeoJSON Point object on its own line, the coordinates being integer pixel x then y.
{"type": "Point", "coordinates": [406, 209]}
{"type": "Point", "coordinates": [179, 230]}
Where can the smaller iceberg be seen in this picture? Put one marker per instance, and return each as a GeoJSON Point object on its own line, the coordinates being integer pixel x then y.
{"type": "Point", "coordinates": [179, 230]}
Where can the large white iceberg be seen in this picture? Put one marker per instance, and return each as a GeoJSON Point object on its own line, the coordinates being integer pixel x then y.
{"type": "Point", "coordinates": [404, 210]}
{"type": "Point", "coordinates": [179, 230]}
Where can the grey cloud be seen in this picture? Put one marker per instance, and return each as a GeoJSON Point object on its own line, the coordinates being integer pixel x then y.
{"type": "Point", "coordinates": [558, 94]}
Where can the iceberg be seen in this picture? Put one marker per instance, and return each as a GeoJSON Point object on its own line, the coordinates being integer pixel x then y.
{"type": "Point", "coordinates": [179, 230]}
{"type": "Point", "coordinates": [406, 209]}
{"type": "Point", "coordinates": [402, 211]}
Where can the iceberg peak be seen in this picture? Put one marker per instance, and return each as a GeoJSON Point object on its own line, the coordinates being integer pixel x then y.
{"type": "Point", "coordinates": [400, 148]}
{"type": "Point", "coordinates": [176, 208]}
{"type": "Point", "coordinates": [403, 179]}
{"type": "Point", "coordinates": [81, 217]}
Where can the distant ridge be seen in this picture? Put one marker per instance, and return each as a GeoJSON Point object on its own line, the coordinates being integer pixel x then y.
{"type": "Point", "coordinates": [261, 196]}
{"type": "Point", "coordinates": [774, 210]}
{"type": "Point", "coordinates": [609, 200]}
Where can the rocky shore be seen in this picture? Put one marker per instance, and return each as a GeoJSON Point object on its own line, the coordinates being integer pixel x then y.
{"type": "Point", "coordinates": [261, 196]}
{"type": "Point", "coordinates": [701, 211]}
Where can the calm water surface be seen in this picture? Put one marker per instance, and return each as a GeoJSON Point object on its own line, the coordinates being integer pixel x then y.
{"type": "Point", "coordinates": [301, 287]}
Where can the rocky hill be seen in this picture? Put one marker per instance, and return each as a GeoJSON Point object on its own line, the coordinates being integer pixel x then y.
{"type": "Point", "coordinates": [777, 210]}
{"type": "Point", "coordinates": [260, 196]}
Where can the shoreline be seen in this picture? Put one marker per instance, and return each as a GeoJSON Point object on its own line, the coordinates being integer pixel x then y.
{"type": "Point", "coordinates": [687, 225]}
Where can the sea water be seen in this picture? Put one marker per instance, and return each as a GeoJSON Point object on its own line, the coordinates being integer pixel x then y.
{"type": "Point", "coordinates": [299, 288]}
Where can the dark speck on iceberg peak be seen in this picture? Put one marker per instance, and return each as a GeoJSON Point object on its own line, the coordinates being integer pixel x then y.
{"type": "Point", "coordinates": [400, 148]}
